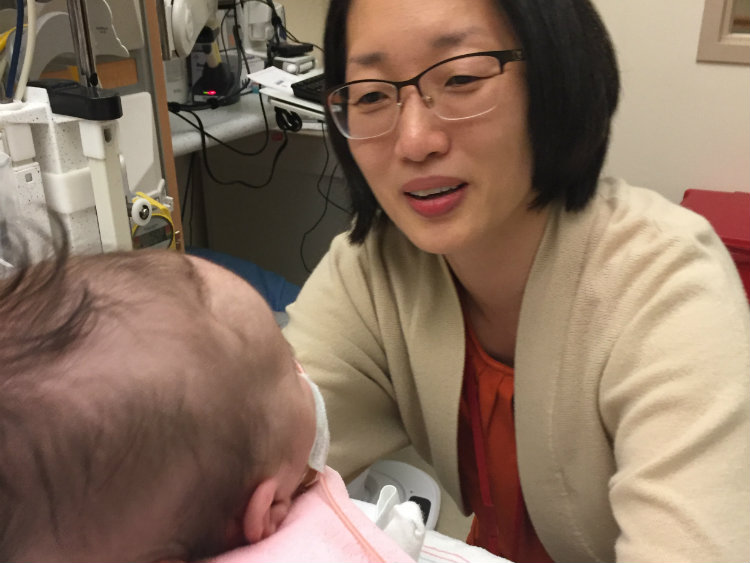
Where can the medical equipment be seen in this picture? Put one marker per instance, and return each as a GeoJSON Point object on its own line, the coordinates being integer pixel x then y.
{"type": "Point", "coordinates": [183, 22]}
{"type": "Point", "coordinates": [263, 26]}
{"type": "Point", "coordinates": [411, 484]}
{"type": "Point", "coordinates": [383, 487]}
{"type": "Point", "coordinates": [212, 78]}
{"type": "Point", "coordinates": [295, 65]}
{"type": "Point", "coordinates": [152, 223]}
{"type": "Point", "coordinates": [89, 154]}
{"type": "Point", "coordinates": [258, 27]}
{"type": "Point", "coordinates": [70, 165]}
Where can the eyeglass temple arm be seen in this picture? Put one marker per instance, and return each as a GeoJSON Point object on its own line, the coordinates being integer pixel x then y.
{"type": "Point", "coordinates": [510, 56]}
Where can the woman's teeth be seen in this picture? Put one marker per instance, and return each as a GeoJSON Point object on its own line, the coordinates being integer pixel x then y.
{"type": "Point", "coordinates": [423, 194]}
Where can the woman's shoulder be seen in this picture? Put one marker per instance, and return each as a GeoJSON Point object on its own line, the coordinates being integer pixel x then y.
{"type": "Point", "coordinates": [619, 205]}
{"type": "Point", "coordinates": [624, 221]}
{"type": "Point", "coordinates": [626, 239]}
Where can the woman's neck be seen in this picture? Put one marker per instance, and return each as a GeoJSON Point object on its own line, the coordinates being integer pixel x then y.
{"type": "Point", "coordinates": [491, 280]}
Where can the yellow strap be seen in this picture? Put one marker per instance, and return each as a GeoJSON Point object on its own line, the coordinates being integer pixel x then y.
{"type": "Point", "coordinates": [5, 35]}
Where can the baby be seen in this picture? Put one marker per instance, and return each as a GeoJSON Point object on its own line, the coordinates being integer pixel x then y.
{"type": "Point", "coordinates": [150, 410]}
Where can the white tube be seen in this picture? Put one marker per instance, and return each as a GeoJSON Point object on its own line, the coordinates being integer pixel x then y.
{"type": "Point", "coordinates": [28, 55]}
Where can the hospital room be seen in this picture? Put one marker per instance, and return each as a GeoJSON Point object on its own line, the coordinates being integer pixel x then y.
{"type": "Point", "coordinates": [375, 280]}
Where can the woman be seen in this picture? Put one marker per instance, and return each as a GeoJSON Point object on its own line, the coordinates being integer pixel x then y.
{"type": "Point", "coordinates": [570, 354]}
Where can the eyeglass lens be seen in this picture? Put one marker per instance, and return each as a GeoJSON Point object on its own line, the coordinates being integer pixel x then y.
{"type": "Point", "coordinates": [455, 89]}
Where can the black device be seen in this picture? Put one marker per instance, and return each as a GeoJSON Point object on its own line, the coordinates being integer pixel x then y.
{"type": "Point", "coordinates": [216, 80]}
{"type": "Point", "coordinates": [311, 89]}
{"type": "Point", "coordinates": [284, 49]}
{"type": "Point", "coordinates": [67, 97]}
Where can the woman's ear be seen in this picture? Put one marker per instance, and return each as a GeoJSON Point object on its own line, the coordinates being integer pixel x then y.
{"type": "Point", "coordinates": [264, 512]}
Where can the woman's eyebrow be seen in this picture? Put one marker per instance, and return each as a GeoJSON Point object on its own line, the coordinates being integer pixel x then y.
{"type": "Point", "coordinates": [454, 38]}
{"type": "Point", "coordinates": [367, 59]}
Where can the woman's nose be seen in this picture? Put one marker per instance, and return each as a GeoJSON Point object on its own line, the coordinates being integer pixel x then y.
{"type": "Point", "coordinates": [420, 133]}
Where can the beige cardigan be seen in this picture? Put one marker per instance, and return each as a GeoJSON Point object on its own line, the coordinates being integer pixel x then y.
{"type": "Point", "coordinates": [632, 385]}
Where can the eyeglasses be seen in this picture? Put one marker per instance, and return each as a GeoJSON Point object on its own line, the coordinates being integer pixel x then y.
{"type": "Point", "coordinates": [460, 87]}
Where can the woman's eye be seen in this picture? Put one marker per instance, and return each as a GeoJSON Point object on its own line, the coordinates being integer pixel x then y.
{"type": "Point", "coordinates": [371, 98]}
{"type": "Point", "coordinates": [461, 80]}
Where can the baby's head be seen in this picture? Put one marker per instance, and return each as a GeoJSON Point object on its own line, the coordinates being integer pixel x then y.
{"type": "Point", "coordinates": [149, 409]}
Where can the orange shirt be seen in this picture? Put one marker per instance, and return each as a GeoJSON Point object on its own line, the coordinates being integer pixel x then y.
{"type": "Point", "coordinates": [487, 460]}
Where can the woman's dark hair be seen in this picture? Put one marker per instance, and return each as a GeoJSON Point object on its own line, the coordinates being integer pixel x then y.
{"type": "Point", "coordinates": [573, 85]}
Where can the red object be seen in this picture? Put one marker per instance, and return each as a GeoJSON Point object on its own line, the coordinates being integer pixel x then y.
{"type": "Point", "coordinates": [487, 460]}
{"type": "Point", "coordinates": [729, 214]}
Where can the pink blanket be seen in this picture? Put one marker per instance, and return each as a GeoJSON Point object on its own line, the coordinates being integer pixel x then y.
{"type": "Point", "coordinates": [322, 526]}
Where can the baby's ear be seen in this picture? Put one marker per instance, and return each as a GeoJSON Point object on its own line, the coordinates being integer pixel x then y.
{"type": "Point", "coordinates": [264, 512]}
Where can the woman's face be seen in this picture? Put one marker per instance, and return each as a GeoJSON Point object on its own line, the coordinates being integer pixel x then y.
{"type": "Point", "coordinates": [485, 161]}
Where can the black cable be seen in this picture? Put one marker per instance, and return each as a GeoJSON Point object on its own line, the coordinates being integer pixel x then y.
{"type": "Point", "coordinates": [10, 87]}
{"type": "Point", "coordinates": [317, 185]}
{"type": "Point", "coordinates": [277, 25]}
{"type": "Point", "coordinates": [320, 219]}
{"type": "Point", "coordinates": [221, 29]}
{"type": "Point", "coordinates": [325, 163]}
{"type": "Point", "coordinates": [238, 38]}
{"type": "Point", "coordinates": [210, 173]}
{"type": "Point", "coordinates": [187, 187]}
{"type": "Point", "coordinates": [288, 120]}
{"type": "Point", "coordinates": [238, 84]}
{"type": "Point", "coordinates": [276, 21]}
{"type": "Point", "coordinates": [237, 87]}
{"type": "Point", "coordinates": [241, 53]}
{"type": "Point", "coordinates": [238, 41]}
{"type": "Point", "coordinates": [293, 38]}
{"type": "Point", "coordinates": [224, 143]}
{"type": "Point", "coordinates": [188, 200]}
{"type": "Point", "coordinates": [326, 197]}
{"type": "Point", "coordinates": [192, 203]}
{"type": "Point", "coordinates": [211, 103]}
{"type": "Point", "coordinates": [275, 17]}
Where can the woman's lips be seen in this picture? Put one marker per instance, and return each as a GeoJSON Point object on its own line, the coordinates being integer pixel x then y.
{"type": "Point", "coordinates": [434, 196]}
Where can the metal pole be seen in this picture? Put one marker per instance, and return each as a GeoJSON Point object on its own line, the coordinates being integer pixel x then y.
{"type": "Point", "coordinates": [161, 17]}
{"type": "Point", "coordinates": [79, 27]}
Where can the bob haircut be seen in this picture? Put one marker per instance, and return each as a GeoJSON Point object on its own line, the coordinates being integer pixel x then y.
{"type": "Point", "coordinates": [573, 85]}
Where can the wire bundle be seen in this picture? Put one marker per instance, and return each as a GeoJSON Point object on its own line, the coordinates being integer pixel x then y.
{"type": "Point", "coordinates": [188, 197]}
{"type": "Point", "coordinates": [15, 90]}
